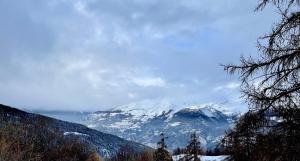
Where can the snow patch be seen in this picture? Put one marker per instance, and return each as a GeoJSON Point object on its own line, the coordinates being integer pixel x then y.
{"type": "Point", "coordinates": [174, 124]}
{"type": "Point", "coordinates": [203, 157]}
{"type": "Point", "coordinates": [75, 133]}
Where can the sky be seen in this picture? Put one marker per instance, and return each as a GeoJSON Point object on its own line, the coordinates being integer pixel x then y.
{"type": "Point", "coordinates": [98, 54]}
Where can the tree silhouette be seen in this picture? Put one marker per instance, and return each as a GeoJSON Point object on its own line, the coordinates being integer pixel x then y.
{"type": "Point", "coordinates": [271, 87]}
{"type": "Point", "coordinates": [193, 149]}
{"type": "Point", "coordinates": [161, 153]}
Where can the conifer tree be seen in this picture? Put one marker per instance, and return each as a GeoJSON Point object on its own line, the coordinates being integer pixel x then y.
{"type": "Point", "coordinates": [193, 149]}
{"type": "Point", "coordinates": [270, 130]}
{"type": "Point", "coordinates": [161, 153]}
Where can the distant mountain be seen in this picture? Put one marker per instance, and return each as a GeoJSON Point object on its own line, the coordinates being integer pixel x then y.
{"type": "Point", "coordinates": [143, 122]}
{"type": "Point", "coordinates": [105, 144]}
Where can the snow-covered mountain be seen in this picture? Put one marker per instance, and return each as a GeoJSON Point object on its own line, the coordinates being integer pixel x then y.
{"type": "Point", "coordinates": [144, 121]}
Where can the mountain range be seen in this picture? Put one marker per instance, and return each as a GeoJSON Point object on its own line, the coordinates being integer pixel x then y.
{"type": "Point", "coordinates": [143, 122]}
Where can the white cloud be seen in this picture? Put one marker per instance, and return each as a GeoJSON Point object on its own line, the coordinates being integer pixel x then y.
{"type": "Point", "coordinates": [131, 95]}
{"type": "Point", "coordinates": [228, 86]}
{"type": "Point", "coordinates": [149, 82]}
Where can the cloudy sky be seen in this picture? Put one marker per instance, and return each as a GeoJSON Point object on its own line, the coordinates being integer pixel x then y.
{"type": "Point", "coordinates": [97, 54]}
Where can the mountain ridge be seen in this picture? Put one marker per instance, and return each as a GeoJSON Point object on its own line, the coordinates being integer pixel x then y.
{"type": "Point", "coordinates": [144, 125]}
{"type": "Point", "coordinates": [105, 144]}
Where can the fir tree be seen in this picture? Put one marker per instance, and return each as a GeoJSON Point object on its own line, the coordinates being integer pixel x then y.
{"type": "Point", "coordinates": [193, 149]}
{"type": "Point", "coordinates": [161, 154]}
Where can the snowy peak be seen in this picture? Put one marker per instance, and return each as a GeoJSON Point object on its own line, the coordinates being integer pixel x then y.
{"type": "Point", "coordinates": [197, 111]}
{"type": "Point", "coordinates": [146, 108]}
{"type": "Point", "coordinates": [144, 121]}
{"type": "Point", "coordinates": [211, 107]}
{"type": "Point", "coordinates": [149, 109]}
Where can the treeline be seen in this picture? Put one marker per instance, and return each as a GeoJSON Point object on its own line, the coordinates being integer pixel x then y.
{"type": "Point", "coordinates": [126, 153]}
{"type": "Point", "coordinates": [208, 152]}
{"type": "Point", "coordinates": [35, 142]}
{"type": "Point", "coordinates": [191, 152]}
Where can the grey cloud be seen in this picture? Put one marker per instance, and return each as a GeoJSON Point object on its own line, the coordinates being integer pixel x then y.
{"type": "Point", "coordinates": [20, 34]}
{"type": "Point", "coordinates": [93, 54]}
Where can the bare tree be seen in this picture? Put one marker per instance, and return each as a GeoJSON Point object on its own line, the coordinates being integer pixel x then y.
{"type": "Point", "coordinates": [271, 87]}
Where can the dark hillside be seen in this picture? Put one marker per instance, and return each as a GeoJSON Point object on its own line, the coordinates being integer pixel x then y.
{"type": "Point", "coordinates": [50, 132]}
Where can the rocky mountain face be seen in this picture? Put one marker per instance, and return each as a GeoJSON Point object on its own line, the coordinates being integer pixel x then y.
{"type": "Point", "coordinates": [105, 144]}
{"type": "Point", "coordinates": [143, 123]}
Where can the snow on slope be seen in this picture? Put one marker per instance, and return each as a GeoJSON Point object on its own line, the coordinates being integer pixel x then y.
{"type": "Point", "coordinates": [75, 133]}
{"type": "Point", "coordinates": [144, 121]}
{"type": "Point", "coordinates": [203, 157]}
{"type": "Point", "coordinates": [144, 109]}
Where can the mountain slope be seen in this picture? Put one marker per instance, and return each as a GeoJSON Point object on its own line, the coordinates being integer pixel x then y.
{"type": "Point", "coordinates": [143, 124]}
{"type": "Point", "coordinates": [105, 144]}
